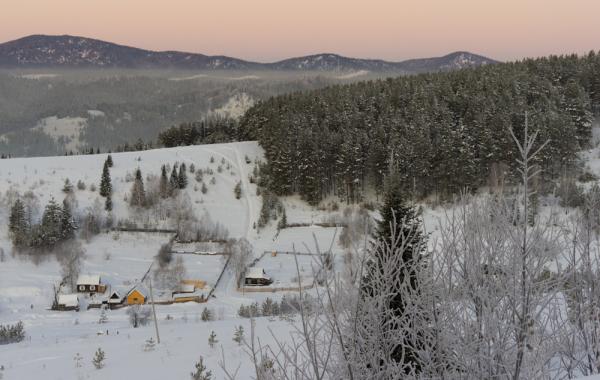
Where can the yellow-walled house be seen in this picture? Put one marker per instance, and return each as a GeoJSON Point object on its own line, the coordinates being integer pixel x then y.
{"type": "Point", "coordinates": [136, 296]}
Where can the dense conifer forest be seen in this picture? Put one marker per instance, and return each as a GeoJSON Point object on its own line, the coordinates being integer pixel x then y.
{"type": "Point", "coordinates": [445, 131]}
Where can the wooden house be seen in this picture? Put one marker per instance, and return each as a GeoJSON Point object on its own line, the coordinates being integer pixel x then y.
{"type": "Point", "coordinates": [137, 296]}
{"type": "Point", "coordinates": [257, 276]}
{"type": "Point", "coordinates": [67, 302]}
{"type": "Point", "coordinates": [90, 284]}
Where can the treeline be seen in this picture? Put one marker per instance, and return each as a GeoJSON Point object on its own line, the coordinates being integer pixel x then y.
{"type": "Point", "coordinates": [442, 131]}
{"type": "Point", "coordinates": [208, 131]}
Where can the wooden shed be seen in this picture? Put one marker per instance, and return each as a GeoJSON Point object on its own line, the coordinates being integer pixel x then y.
{"type": "Point", "coordinates": [67, 302]}
{"type": "Point", "coordinates": [257, 276]}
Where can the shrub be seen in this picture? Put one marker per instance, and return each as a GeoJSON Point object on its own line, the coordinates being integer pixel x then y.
{"type": "Point", "coordinates": [12, 333]}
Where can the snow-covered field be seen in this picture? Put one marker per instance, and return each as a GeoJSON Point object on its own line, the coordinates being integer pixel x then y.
{"type": "Point", "coordinates": [54, 338]}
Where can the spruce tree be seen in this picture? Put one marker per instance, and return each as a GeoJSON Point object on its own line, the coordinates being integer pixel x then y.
{"type": "Point", "coordinates": [200, 372]}
{"type": "Point", "coordinates": [108, 206]}
{"type": "Point", "coordinates": [17, 223]}
{"type": "Point", "coordinates": [98, 360]}
{"type": "Point", "coordinates": [68, 187]}
{"type": "Point", "coordinates": [164, 188]}
{"type": "Point", "coordinates": [238, 335]}
{"type": "Point", "coordinates": [105, 184]}
{"type": "Point", "coordinates": [67, 223]}
{"type": "Point", "coordinates": [174, 179]}
{"type": "Point", "coordinates": [138, 194]}
{"type": "Point", "coordinates": [212, 339]}
{"type": "Point", "coordinates": [401, 222]}
{"type": "Point", "coordinates": [182, 180]}
{"type": "Point", "coordinates": [109, 161]}
{"type": "Point", "coordinates": [51, 226]}
{"type": "Point", "coordinates": [237, 190]}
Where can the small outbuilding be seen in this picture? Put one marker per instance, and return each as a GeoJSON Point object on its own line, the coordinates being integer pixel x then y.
{"type": "Point", "coordinates": [115, 298]}
{"type": "Point", "coordinates": [68, 302]}
{"type": "Point", "coordinates": [257, 276]}
{"type": "Point", "coordinates": [90, 284]}
{"type": "Point", "coordinates": [137, 296]}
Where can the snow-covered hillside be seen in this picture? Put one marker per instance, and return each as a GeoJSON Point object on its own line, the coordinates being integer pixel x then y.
{"type": "Point", "coordinates": [54, 338]}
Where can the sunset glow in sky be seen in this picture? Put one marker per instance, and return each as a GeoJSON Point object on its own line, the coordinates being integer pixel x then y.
{"type": "Point", "coordinates": [267, 30]}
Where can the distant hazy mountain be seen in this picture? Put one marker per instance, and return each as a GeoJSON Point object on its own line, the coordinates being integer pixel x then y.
{"type": "Point", "coordinates": [39, 51]}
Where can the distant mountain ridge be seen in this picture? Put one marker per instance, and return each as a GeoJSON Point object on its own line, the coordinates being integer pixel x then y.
{"type": "Point", "coordinates": [44, 51]}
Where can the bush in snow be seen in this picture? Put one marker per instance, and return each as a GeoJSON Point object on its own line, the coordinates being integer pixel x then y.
{"type": "Point", "coordinates": [80, 185]}
{"type": "Point", "coordinates": [212, 339]}
{"type": "Point", "coordinates": [207, 315]}
{"type": "Point", "coordinates": [12, 333]}
{"type": "Point", "coordinates": [98, 360]}
{"type": "Point", "coordinates": [200, 372]}
{"type": "Point", "coordinates": [138, 315]}
{"type": "Point", "coordinates": [238, 335]}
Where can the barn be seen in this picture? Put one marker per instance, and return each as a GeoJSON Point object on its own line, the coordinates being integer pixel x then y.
{"type": "Point", "coordinates": [90, 284]}
{"type": "Point", "coordinates": [257, 276]}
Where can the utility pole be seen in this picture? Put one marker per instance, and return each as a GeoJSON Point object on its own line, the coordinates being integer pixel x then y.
{"type": "Point", "coordinates": [153, 310]}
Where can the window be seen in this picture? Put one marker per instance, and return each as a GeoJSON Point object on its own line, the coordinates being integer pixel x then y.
{"type": "Point", "coordinates": [92, 287]}
{"type": "Point", "coordinates": [81, 287]}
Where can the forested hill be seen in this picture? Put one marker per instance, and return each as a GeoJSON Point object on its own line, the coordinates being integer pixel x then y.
{"type": "Point", "coordinates": [444, 130]}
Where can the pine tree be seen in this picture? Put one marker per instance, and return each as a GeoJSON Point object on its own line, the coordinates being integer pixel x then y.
{"type": "Point", "coordinates": [164, 188]}
{"type": "Point", "coordinates": [182, 180]}
{"type": "Point", "coordinates": [237, 190]}
{"type": "Point", "coordinates": [105, 184]}
{"type": "Point", "coordinates": [212, 339]}
{"type": "Point", "coordinates": [174, 179]}
{"type": "Point", "coordinates": [138, 194]}
{"type": "Point", "coordinates": [17, 224]}
{"type": "Point", "coordinates": [98, 360]}
{"type": "Point", "coordinates": [238, 335]}
{"type": "Point", "coordinates": [109, 161]}
{"type": "Point", "coordinates": [200, 372]}
{"type": "Point", "coordinates": [204, 189]}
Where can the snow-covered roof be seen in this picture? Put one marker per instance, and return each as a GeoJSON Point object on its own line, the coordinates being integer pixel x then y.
{"type": "Point", "coordinates": [88, 279]}
{"type": "Point", "coordinates": [187, 288]}
{"type": "Point", "coordinates": [68, 300]}
{"type": "Point", "coordinates": [255, 272]}
{"type": "Point", "coordinates": [140, 288]}
{"type": "Point", "coordinates": [115, 297]}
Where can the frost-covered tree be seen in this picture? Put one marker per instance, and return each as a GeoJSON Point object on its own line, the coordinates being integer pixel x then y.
{"type": "Point", "coordinates": [200, 372]}
{"type": "Point", "coordinates": [138, 193]}
{"type": "Point", "coordinates": [17, 224]}
{"type": "Point", "coordinates": [238, 335]}
{"type": "Point", "coordinates": [237, 190]}
{"type": "Point", "coordinates": [98, 360]}
{"type": "Point", "coordinates": [174, 178]}
{"type": "Point", "coordinates": [164, 187]}
{"type": "Point", "coordinates": [182, 179]}
{"type": "Point", "coordinates": [212, 339]}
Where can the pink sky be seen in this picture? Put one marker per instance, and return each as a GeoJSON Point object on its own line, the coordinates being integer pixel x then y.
{"type": "Point", "coordinates": [266, 30]}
